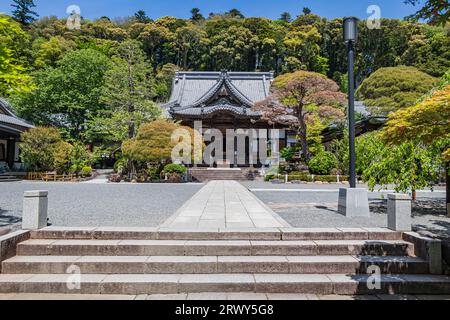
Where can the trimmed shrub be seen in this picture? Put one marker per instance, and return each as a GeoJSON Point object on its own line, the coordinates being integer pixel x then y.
{"type": "Point", "coordinates": [86, 171]}
{"type": "Point", "coordinates": [299, 176]}
{"type": "Point", "coordinates": [322, 163]}
{"type": "Point", "coordinates": [174, 169]}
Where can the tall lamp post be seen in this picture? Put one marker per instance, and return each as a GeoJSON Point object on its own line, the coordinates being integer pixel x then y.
{"type": "Point", "coordinates": [353, 202]}
{"type": "Point", "coordinates": [350, 38]}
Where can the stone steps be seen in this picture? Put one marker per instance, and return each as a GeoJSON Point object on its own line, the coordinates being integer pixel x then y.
{"type": "Point", "coordinates": [8, 178]}
{"type": "Point", "coordinates": [266, 234]}
{"type": "Point", "coordinates": [45, 247]}
{"type": "Point", "coordinates": [174, 261]}
{"type": "Point", "coordinates": [339, 284]}
{"type": "Point", "coordinates": [203, 175]}
{"type": "Point", "coordinates": [213, 264]}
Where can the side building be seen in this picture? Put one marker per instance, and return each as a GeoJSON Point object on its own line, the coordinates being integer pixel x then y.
{"type": "Point", "coordinates": [11, 127]}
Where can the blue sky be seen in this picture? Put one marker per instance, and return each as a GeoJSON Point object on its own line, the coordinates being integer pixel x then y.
{"type": "Point", "coordinates": [180, 8]}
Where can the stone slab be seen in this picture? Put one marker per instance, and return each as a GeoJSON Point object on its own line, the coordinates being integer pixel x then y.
{"type": "Point", "coordinates": [225, 205]}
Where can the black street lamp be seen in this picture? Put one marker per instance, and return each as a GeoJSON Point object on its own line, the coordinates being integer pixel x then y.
{"type": "Point", "coordinates": [350, 38]}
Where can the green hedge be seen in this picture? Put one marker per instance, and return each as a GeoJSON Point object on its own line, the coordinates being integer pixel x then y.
{"type": "Point", "coordinates": [305, 177]}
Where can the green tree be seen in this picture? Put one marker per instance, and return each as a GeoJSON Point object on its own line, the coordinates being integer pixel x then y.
{"type": "Point", "coordinates": [232, 49]}
{"type": "Point", "coordinates": [48, 52]}
{"type": "Point", "coordinates": [68, 95]}
{"type": "Point", "coordinates": [196, 16]}
{"type": "Point", "coordinates": [43, 149]}
{"type": "Point", "coordinates": [163, 81]}
{"type": "Point", "coordinates": [286, 17]}
{"type": "Point", "coordinates": [426, 123]}
{"type": "Point", "coordinates": [306, 11]}
{"type": "Point", "coordinates": [435, 11]}
{"type": "Point", "coordinates": [408, 166]}
{"type": "Point", "coordinates": [383, 47]}
{"type": "Point", "coordinates": [128, 92]}
{"type": "Point", "coordinates": [142, 17]}
{"type": "Point", "coordinates": [189, 40]}
{"type": "Point", "coordinates": [429, 51]}
{"type": "Point", "coordinates": [389, 89]}
{"type": "Point", "coordinates": [13, 70]}
{"type": "Point", "coordinates": [303, 50]}
{"type": "Point", "coordinates": [235, 13]}
{"type": "Point", "coordinates": [23, 11]}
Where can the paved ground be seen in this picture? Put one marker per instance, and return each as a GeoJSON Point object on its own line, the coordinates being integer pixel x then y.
{"type": "Point", "coordinates": [225, 204]}
{"type": "Point", "coordinates": [217, 296]}
{"type": "Point", "coordinates": [129, 205]}
{"type": "Point", "coordinates": [315, 206]}
{"type": "Point", "coordinates": [81, 204]}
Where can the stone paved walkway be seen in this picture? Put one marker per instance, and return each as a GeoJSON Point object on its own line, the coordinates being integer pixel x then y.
{"type": "Point", "coordinates": [224, 204]}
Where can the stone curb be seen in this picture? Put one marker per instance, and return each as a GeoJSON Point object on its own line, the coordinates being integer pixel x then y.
{"type": "Point", "coordinates": [427, 249]}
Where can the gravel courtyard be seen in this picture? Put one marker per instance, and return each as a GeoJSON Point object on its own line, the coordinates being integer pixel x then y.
{"type": "Point", "coordinates": [78, 204]}
{"type": "Point", "coordinates": [133, 205]}
{"type": "Point", "coordinates": [315, 206]}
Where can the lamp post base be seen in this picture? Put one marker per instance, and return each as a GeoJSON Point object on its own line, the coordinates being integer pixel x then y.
{"type": "Point", "coordinates": [354, 202]}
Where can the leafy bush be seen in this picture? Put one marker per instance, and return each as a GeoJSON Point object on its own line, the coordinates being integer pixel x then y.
{"type": "Point", "coordinates": [80, 158]}
{"type": "Point", "coordinates": [153, 173]}
{"type": "Point", "coordinates": [299, 176]}
{"type": "Point", "coordinates": [174, 169]}
{"type": "Point", "coordinates": [330, 178]}
{"type": "Point", "coordinates": [120, 164]}
{"type": "Point", "coordinates": [322, 163]}
{"type": "Point", "coordinates": [154, 143]}
{"type": "Point", "coordinates": [86, 171]}
{"type": "Point", "coordinates": [43, 149]}
{"type": "Point", "coordinates": [287, 153]}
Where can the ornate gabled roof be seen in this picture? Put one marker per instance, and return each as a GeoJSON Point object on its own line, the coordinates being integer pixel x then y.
{"type": "Point", "coordinates": [202, 93]}
{"type": "Point", "coordinates": [9, 121]}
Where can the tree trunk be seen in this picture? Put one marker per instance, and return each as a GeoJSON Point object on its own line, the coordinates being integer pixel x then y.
{"type": "Point", "coordinates": [304, 138]}
{"type": "Point", "coordinates": [414, 195]}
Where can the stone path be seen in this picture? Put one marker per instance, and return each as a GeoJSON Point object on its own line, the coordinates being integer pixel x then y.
{"type": "Point", "coordinates": [225, 204]}
{"type": "Point", "coordinates": [215, 296]}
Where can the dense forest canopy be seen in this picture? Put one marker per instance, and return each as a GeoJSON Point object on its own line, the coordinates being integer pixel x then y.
{"type": "Point", "coordinates": [234, 42]}
{"type": "Point", "coordinates": [55, 73]}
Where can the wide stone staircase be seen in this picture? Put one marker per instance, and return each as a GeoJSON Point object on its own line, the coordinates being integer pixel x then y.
{"type": "Point", "coordinates": [164, 261]}
{"type": "Point", "coordinates": [8, 177]}
{"type": "Point", "coordinates": [211, 174]}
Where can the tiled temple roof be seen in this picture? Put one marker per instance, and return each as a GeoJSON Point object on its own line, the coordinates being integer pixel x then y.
{"type": "Point", "coordinates": [9, 121]}
{"type": "Point", "coordinates": [200, 93]}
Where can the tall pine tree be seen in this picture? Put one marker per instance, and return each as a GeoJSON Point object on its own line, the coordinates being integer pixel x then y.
{"type": "Point", "coordinates": [23, 12]}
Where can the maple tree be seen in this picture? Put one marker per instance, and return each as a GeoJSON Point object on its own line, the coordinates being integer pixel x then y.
{"type": "Point", "coordinates": [296, 100]}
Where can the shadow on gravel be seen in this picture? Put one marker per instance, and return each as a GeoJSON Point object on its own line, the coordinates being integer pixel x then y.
{"type": "Point", "coordinates": [6, 219]}
{"type": "Point", "coordinates": [327, 208]}
{"type": "Point", "coordinates": [436, 229]}
{"type": "Point", "coordinates": [420, 207]}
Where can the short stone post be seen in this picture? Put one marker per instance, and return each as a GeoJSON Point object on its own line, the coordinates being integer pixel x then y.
{"type": "Point", "coordinates": [399, 212]}
{"type": "Point", "coordinates": [354, 202]}
{"type": "Point", "coordinates": [34, 214]}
